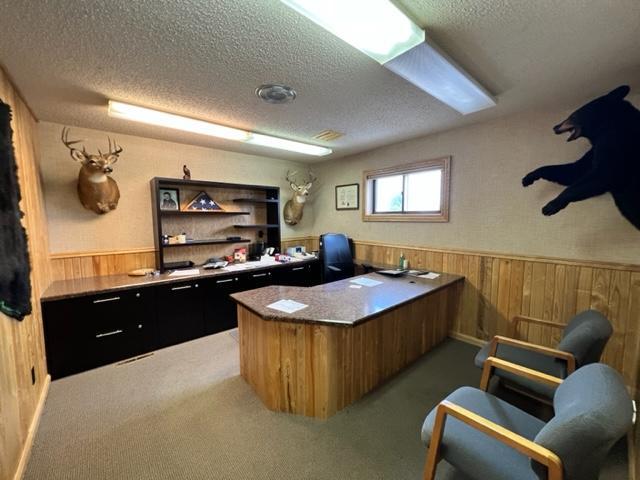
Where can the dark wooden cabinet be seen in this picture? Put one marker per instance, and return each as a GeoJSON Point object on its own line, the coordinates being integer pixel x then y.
{"type": "Point", "coordinates": [89, 331]}
{"type": "Point", "coordinates": [86, 332]}
{"type": "Point", "coordinates": [298, 275]}
{"type": "Point", "coordinates": [180, 315]}
{"type": "Point", "coordinates": [220, 312]}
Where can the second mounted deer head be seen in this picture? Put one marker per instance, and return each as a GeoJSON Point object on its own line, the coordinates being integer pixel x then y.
{"type": "Point", "coordinates": [293, 208]}
{"type": "Point", "coordinates": [97, 191]}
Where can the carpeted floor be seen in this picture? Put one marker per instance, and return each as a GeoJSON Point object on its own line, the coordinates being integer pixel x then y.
{"type": "Point", "coordinates": [185, 413]}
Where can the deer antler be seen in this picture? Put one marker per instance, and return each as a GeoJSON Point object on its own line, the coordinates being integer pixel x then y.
{"type": "Point", "coordinates": [116, 149]}
{"type": "Point", "coordinates": [291, 177]}
{"type": "Point", "coordinates": [65, 139]}
{"type": "Point", "coordinates": [312, 177]}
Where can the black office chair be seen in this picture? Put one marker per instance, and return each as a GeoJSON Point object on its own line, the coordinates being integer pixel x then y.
{"type": "Point", "coordinates": [336, 258]}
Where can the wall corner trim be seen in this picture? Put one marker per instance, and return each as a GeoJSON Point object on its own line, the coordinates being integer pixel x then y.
{"type": "Point", "coordinates": [33, 429]}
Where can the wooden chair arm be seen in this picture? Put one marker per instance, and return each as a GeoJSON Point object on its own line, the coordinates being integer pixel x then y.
{"type": "Point", "coordinates": [523, 318]}
{"type": "Point", "coordinates": [550, 352]}
{"type": "Point", "coordinates": [517, 442]}
{"type": "Point", "coordinates": [492, 363]}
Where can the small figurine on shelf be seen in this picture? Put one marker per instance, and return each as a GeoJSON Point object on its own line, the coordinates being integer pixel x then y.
{"type": "Point", "coordinates": [187, 173]}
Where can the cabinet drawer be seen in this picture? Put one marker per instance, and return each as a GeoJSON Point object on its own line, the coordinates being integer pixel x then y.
{"type": "Point", "coordinates": [87, 332]}
{"type": "Point", "coordinates": [220, 312]}
{"type": "Point", "coordinates": [305, 275]}
{"type": "Point", "coordinates": [179, 313]}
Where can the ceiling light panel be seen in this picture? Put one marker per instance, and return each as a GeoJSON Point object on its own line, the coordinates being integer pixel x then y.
{"type": "Point", "coordinates": [177, 122]}
{"type": "Point", "coordinates": [375, 27]}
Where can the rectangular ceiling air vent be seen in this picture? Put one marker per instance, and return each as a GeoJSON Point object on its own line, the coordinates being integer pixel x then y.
{"type": "Point", "coordinates": [328, 135]}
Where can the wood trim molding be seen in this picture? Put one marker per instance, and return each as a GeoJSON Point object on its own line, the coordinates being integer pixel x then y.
{"type": "Point", "coordinates": [55, 256]}
{"type": "Point", "coordinates": [33, 429]}
{"type": "Point", "coordinates": [508, 256]}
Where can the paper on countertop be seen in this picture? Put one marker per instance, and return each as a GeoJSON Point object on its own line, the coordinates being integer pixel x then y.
{"type": "Point", "coordinates": [355, 286]}
{"type": "Point", "coordinates": [365, 282]}
{"type": "Point", "coordinates": [287, 306]}
{"type": "Point", "coordinates": [184, 273]}
{"type": "Point", "coordinates": [430, 275]}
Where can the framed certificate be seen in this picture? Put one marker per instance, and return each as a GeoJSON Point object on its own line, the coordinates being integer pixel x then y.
{"type": "Point", "coordinates": [348, 197]}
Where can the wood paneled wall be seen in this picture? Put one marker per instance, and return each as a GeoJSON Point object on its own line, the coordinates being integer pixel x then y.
{"type": "Point", "coordinates": [21, 343]}
{"type": "Point", "coordinates": [69, 266]}
{"type": "Point", "coordinates": [498, 287]}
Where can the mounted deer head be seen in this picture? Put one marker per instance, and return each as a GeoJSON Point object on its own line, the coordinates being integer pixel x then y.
{"type": "Point", "coordinates": [97, 191]}
{"type": "Point", "coordinates": [293, 208]}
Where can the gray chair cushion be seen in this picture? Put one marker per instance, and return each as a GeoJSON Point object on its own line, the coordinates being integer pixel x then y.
{"type": "Point", "coordinates": [473, 452]}
{"type": "Point", "coordinates": [585, 337]}
{"type": "Point", "coordinates": [592, 411]}
{"type": "Point", "coordinates": [526, 358]}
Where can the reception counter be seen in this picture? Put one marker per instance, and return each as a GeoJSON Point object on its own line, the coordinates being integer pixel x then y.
{"type": "Point", "coordinates": [348, 339]}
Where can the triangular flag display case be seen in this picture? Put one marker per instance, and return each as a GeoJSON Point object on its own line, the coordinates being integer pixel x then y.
{"type": "Point", "coordinates": [211, 219]}
{"type": "Point", "coordinates": [202, 202]}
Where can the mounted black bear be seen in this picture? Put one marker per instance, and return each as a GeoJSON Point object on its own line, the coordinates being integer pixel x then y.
{"type": "Point", "coordinates": [612, 126]}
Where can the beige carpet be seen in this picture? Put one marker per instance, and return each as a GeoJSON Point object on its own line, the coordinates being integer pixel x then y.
{"type": "Point", "coordinates": [184, 413]}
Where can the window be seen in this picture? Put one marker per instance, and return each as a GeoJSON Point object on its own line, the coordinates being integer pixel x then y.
{"type": "Point", "coordinates": [408, 193]}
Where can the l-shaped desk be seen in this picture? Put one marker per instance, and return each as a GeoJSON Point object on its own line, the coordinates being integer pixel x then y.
{"type": "Point", "coordinates": [346, 342]}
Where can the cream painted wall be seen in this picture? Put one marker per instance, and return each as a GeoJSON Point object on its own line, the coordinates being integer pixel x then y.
{"type": "Point", "coordinates": [490, 210]}
{"type": "Point", "coordinates": [74, 229]}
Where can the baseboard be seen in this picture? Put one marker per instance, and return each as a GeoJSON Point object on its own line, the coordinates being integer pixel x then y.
{"type": "Point", "coordinates": [33, 429]}
{"type": "Point", "coordinates": [467, 339]}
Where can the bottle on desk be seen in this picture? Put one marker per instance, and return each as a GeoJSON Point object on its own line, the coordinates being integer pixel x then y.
{"type": "Point", "coordinates": [403, 264]}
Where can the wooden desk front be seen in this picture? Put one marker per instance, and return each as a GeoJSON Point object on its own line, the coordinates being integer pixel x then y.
{"type": "Point", "coordinates": [321, 359]}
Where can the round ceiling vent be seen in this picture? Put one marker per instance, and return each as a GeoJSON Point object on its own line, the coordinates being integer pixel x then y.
{"type": "Point", "coordinates": [276, 93]}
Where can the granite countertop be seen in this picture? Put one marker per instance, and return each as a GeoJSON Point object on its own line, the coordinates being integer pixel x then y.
{"type": "Point", "coordinates": [337, 303]}
{"type": "Point", "coordinates": [63, 289]}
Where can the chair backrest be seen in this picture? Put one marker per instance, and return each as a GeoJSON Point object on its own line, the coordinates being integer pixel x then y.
{"type": "Point", "coordinates": [593, 410]}
{"type": "Point", "coordinates": [335, 257]}
{"type": "Point", "coordinates": [585, 336]}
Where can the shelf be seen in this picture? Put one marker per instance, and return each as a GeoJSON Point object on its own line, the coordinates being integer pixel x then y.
{"type": "Point", "coordinates": [200, 212]}
{"type": "Point", "coordinates": [211, 241]}
{"type": "Point", "coordinates": [266, 225]}
{"type": "Point", "coordinates": [255, 200]}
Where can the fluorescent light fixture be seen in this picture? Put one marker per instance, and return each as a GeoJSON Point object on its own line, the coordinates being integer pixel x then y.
{"type": "Point", "coordinates": [177, 122]}
{"type": "Point", "coordinates": [379, 29]}
{"type": "Point", "coordinates": [282, 144]}
{"type": "Point", "coordinates": [429, 68]}
{"type": "Point", "coordinates": [375, 27]}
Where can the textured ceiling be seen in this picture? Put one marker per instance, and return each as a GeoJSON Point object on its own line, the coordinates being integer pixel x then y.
{"type": "Point", "coordinates": [204, 58]}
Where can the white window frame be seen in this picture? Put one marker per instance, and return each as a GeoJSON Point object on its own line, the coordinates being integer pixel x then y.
{"type": "Point", "coordinates": [369, 176]}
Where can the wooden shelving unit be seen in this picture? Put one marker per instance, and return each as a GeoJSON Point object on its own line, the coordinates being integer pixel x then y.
{"type": "Point", "coordinates": [259, 203]}
{"type": "Point", "coordinates": [265, 225]}
{"type": "Point", "coordinates": [196, 212]}
{"type": "Point", "coordinates": [213, 241]}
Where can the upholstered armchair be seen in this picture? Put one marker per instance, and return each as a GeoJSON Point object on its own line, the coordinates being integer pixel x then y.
{"type": "Point", "coordinates": [485, 437]}
{"type": "Point", "coordinates": [583, 341]}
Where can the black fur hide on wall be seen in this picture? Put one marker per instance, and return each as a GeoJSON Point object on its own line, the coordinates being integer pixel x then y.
{"type": "Point", "coordinates": [15, 286]}
{"type": "Point", "coordinates": [612, 126]}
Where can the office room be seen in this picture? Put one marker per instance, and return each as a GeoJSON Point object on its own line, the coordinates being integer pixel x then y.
{"type": "Point", "coordinates": [293, 239]}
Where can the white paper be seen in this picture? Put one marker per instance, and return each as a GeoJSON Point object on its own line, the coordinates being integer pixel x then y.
{"type": "Point", "coordinates": [365, 282]}
{"type": "Point", "coordinates": [355, 286]}
{"type": "Point", "coordinates": [184, 273]}
{"type": "Point", "coordinates": [430, 275]}
{"type": "Point", "coordinates": [287, 306]}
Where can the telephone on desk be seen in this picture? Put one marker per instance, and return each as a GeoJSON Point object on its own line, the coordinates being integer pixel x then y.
{"type": "Point", "coordinates": [298, 252]}
{"type": "Point", "coordinates": [214, 262]}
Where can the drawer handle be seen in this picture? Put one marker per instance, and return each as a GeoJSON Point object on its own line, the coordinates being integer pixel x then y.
{"type": "Point", "coordinates": [185, 287]}
{"type": "Point", "coordinates": [103, 300]}
{"type": "Point", "coordinates": [108, 334]}
{"type": "Point", "coordinates": [297, 268]}
{"type": "Point", "coordinates": [256, 275]}
{"type": "Point", "coordinates": [225, 281]}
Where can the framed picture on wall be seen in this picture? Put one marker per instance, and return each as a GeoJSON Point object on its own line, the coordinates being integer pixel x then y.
{"type": "Point", "coordinates": [169, 199]}
{"type": "Point", "coordinates": [348, 197]}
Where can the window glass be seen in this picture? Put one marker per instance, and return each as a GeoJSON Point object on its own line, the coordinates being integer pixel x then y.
{"type": "Point", "coordinates": [388, 194]}
{"type": "Point", "coordinates": [423, 191]}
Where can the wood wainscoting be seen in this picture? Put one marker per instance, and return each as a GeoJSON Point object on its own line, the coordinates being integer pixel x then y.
{"type": "Point", "coordinates": [69, 266]}
{"type": "Point", "coordinates": [22, 343]}
{"type": "Point", "coordinates": [499, 287]}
